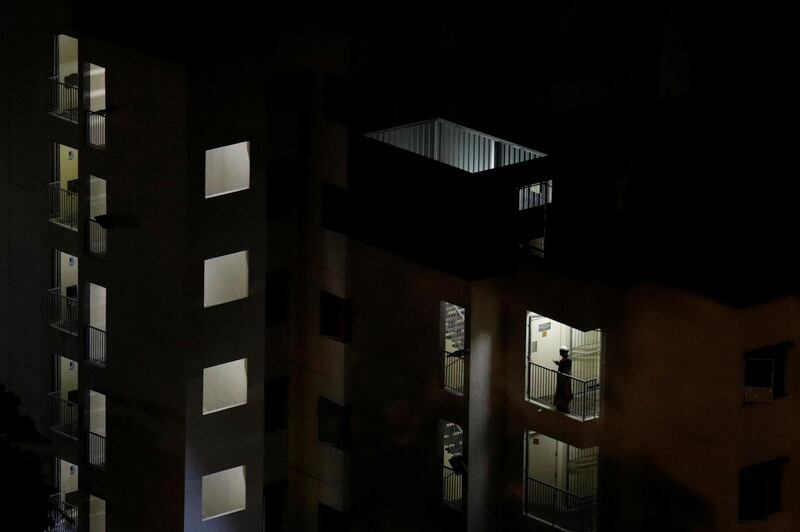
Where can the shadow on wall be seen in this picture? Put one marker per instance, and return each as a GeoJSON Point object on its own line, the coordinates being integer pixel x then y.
{"type": "Point", "coordinates": [24, 493]}
{"type": "Point", "coordinates": [158, 461]}
{"type": "Point", "coordinates": [636, 496]}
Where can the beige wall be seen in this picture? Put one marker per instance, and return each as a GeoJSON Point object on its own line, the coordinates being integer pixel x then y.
{"type": "Point", "coordinates": [97, 88]}
{"type": "Point", "coordinates": [67, 56]}
{"type": "Point", "coordinates": [68, 164]}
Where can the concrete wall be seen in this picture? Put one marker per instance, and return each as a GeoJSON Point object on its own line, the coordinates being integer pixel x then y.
{"type": "Point", "coordinates": [397, 399]}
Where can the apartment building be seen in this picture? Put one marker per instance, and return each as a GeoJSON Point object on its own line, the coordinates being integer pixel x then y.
{"type": "Point", "coordinates": [309, 282]}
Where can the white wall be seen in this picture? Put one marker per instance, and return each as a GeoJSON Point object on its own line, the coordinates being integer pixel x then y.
{"type": "Point", "coordinates": [546, 342]}
{"type": "Point", "coordinates": [227, 169]}
{"type": "Point", "coordinates": [223, 492]}
{"type": "Point", "coordinates": [69, 480]}
{"type": "Point", "coordinates": [67, 56]}
{"type": "Point", "coordinates": [97, 514]}
{"type": "Point", "coordinates": [97, 87]}
{"type": "Point", "coordinates": [68, 370]}
{"type": "Point", "coordinates": [68, 164]}
{"type": "Point", "coordinates": [225, 386]}
{"type": "Point", "coordinates": [97, 413]}
{"type": "Point", "coordinates": [97, 306]}
{"type": "Point", "coordinates": [547, 459]}
{"type": "Point", "coordinates": [97, 196]}
{"type": "Point", "coordinates": [225, 279]}
{"type": "Point", "coordinates": [69, 271]}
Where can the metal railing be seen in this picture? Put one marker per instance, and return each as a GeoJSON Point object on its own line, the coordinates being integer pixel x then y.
{"type": "Point", "coordinates": [560, 508]}
{"type": "Point", "coordinates": [63, 415]}
{"type": "Point", "coordinates": [63, 516]}
{"type": "Point", "coordinates": [535, 195]}
{"type": "Point", "coordinates": [63, 311]}
{"type": "Point", "coordinates": [64, 100]}
{"type": "Point", "coordinates": [573, 396]}
{"type": "Point", "coordinates": [96, 450]}
{"type": "Point", "coordinates": [63, 206]}
{"type": "Point", "coordinates": [453, 371]}
{"type": "Point", "coordinates": [452, 484]}
{"type": "Point", "coordinates": [96, 128]}
{"type": "Point", "coordinates": [96, 238]}
{"type": "Point", "coordinates": [455, 145]}
{"type": "Point", "coordinates": [96, 345]}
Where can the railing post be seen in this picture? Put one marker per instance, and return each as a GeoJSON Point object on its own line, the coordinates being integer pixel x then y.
{"type": "Point", "coordinates": [96, 128]}
{"type": "Point", "coordinates": [96, 345]}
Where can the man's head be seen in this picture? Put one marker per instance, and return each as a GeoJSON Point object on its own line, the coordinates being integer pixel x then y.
{"type": "Point", "coordinates": [563, 351]}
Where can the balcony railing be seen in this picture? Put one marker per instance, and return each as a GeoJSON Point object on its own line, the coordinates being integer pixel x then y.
{"type": "Point", "coordinates": [63, 311]}
{"type": "Point", "coordinates": [453, 371]}
{"type": "Point", "coordinates": [96, 345]}
{"type": "Point", "coordinates": [64, 100]}
{"type": "Point", "coordinates": [63, 415]}
{"type": "Point", "coordinates": [452, 484]}
{"type": "Point", "coordinates": [96, 450]}
{"type": "Point", "coordinates": [63, 206]}
{"type": "Point", "coordinates": [63, 516]}
{"type": "Point", "coordinates": [573, 396]}
{"type": "Point", "coordinates": [96, 238]}
{"type": "Point", "coordinates": [560, 508]}
{"type": "Point", "coordinates": [455, 145]}
{"type": "Point", "coordinates": [535, 195]}
{"type": "Point", "coordinates": [96, 128]}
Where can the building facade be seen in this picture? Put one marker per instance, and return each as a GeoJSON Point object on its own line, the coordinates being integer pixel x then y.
{"type": "Point", "coordinates": [255, 283]}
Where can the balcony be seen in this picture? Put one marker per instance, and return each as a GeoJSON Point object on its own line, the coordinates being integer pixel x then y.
{"type": "Point", "coordinates": [567, 394]}
{"type": "Point", "coordinates": [560, 483]}
{"type": "Point", "coordinates": [96, 345]}
{"type": "Point", "coordinates": [65, 98]}
{"type": "Point", "coordinates": [453, 200]}
{"type": "Point", "coordinates": [63, 205]}
{"type": "Point", "coordinates": [559, 508]}
{"type": "Point", "coordinates": [63, 515]}
{"type": "Point", "coordinates": [453, 464]}
{"type": "Point", "coordinates": [63, 415]}
{"type": "Point", "coordinates": [452, 484]}
{"type": "Point", "coordinates": [568, 385]}
{"type": "Point", "coordinates": [453, 371]}
{"type": "Point", "coordinates": [63, 311]}
{"type": "Point", "coordinates": [96, 128]}
{"type": "Point", "coordinates": [96, 450]}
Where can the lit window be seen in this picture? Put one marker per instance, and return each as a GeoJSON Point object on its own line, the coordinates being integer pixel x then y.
{"type": "Point", "coordinates": [225, 279]}
{"type": "Point", "coordinates": [227, 169]}
{"type": "Point", "coordinates": [224, 386]}
{"type": "Point", "coordinates": [223, 492]}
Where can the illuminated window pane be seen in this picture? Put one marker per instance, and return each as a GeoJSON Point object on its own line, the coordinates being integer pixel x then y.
{"type": "Point", "coordinates": [224, 386]}
{"type": "Point", "coordinates": [225, 279]}
{"type": "Point", "coordinates": [223, 492]}
{"type": "Point", "coordinates": [227, 169]}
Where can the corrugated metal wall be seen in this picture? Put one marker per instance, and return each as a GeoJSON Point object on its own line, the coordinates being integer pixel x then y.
{"type": "Point", "coordinates": [455, 145]}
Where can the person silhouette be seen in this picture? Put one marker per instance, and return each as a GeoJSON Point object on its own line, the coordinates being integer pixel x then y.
{"type": "Point", "coordinates": [563, 394]}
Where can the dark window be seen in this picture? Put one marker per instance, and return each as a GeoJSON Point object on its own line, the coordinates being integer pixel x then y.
{"type": "Point", "coordinates": [330, 520]}
{"type": "Point", "coordinates": [338, 100]}
{"type": "Point", "coordinates": [332, 423]}
{"type": "Point", "coordinates": [333, 316]}
{"type": "Point", "coordinates": [761, 490]}
{"type": "Point", "coordinates": [281, 176]}
{"type": "Point", "coordinates": [277, 297]}
{"type": "Point", "coordinates": [335, 208]}
{"type": "Point", "coordinates": [275, 507]}
{"type": "Point", "coordinates": [765, 373]}
{"type": "Point", "coordinates": [276, 407]}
